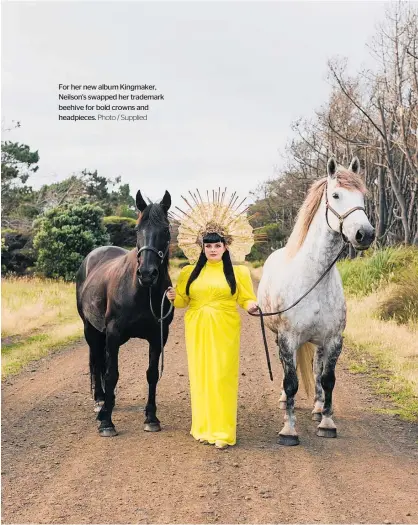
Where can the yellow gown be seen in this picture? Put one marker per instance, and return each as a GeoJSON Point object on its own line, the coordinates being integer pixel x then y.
{"type": "Point", "coordinates": [212, 326]}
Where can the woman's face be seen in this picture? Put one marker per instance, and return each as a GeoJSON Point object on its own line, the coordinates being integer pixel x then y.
{"type": "Point", "coordinates": [214, 250]}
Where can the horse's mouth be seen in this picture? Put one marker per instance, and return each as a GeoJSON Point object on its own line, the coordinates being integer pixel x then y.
{"type": "Point", "coordinates": [361, 247]}
{"type": "Point", "coordinates": [147, 284]}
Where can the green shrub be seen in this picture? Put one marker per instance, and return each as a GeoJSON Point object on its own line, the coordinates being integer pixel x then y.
{"type": "Point", "coordinates": [121, 230]}
{"type": "Point", "coordinates": [273, 239]}
{"type": "Point", "coordinates": [176, 252]}
{"type": "Point", "coordinates": [65, 235]}
{"type": "Point", "coordinates": [365, 275]}
{"type": "Point", "coordinates": [402, 303]}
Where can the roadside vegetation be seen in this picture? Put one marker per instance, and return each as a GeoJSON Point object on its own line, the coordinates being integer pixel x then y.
{"type": "Point", "coordinates": [38, 316]}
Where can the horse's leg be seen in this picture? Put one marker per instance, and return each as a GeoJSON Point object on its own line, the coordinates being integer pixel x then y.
{"type": "Point", "coordinates": [287, 352]}
{"type": "Point", "coordinates": [318, 366]}
{"type": "Point", "coordinates": [332, 350]}
{"type": "Point", "coordinates": [106, 427]}
{"type": "Point", "coordinates": [97, 344]}
{"type": "Point", "coordinates": [282, 399]}
{"type": "Point", "coordinates": [152, 423]}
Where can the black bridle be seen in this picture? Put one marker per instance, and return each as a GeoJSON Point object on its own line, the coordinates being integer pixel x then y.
{"type": "Point", "coordinates": [162, 317]}
{"type": "Point", "coordinates": [261, 314]}
{"type": "Point", "coordinates": [160, 254]}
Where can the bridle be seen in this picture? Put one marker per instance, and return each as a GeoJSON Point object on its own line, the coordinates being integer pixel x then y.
{"type": "Point", "coordinates": [341, 218]}
{"type": "Point", "coordinates": [162, 256]}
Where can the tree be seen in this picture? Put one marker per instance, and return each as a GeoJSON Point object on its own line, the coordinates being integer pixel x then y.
{"type": "Point", "coordinates": [65, 235]}
{"type": "Point", "coordinates": [18, 162]}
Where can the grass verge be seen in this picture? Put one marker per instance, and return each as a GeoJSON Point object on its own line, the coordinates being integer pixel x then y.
{"type": "Point", "coordinates": [17, 355]}
{"type": "Point", "coordinates": [386, 352]}
{"type": "Point", "coordinates": [38, 317]}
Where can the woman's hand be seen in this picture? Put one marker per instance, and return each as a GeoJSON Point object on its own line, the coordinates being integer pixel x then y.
{"type": "Point", "coordinates": [171, 293]}
{"type": "Point", "coordinates": [252, 307]}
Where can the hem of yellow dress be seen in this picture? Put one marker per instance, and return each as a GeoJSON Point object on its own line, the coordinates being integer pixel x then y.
{"type": "Point", "coordinates": [212, 441]}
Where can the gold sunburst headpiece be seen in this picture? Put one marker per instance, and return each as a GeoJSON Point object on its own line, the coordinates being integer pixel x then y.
{"type": "Point", "coordinates": [215, 215]}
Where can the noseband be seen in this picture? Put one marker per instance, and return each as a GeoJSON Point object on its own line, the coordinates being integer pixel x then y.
{"type": "Point", "coordinates": [339, 217]}
{"type": "Point", "coordinates": [160, 254]}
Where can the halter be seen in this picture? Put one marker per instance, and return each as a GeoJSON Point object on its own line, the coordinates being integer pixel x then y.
{"type": "Point", "coordinates": [339, 217]}
{"type": "Point", "coordinates": [162, 317]}
{"type": "Point", "coordinates": [160, 254]}
{"type": "Point", "coordinates": [261, 314]}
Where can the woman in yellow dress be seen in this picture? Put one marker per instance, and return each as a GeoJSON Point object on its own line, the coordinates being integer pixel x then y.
{"type": "Point", "coordinates": [211, 289]}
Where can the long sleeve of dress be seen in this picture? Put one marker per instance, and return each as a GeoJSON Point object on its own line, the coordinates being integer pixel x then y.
{"type": "Point", "coordinates": [182, 299]}
{"type": "Point", "coordinates": [244, 287]}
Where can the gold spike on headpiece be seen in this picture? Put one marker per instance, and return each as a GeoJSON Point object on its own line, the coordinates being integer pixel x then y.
{"type": "Point", "coordinates": [220, 216]}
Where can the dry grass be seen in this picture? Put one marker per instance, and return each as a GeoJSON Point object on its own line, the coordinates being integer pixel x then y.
{"type": "Point", "coordinates": [33, 347]}
{"type": "Point", "coordinates": [385, 350]}
{"type": "Point", "coordinates": [29, 304]}
{"type": "Point", "coordinates": [38, 316]}
{"type": "Point", "coordinates": [401, 304]}
{"type": "Point", "coordinates": [257, 273]}
{"type": "Point", "coordinates": [175, 268]}
{"type": "Point", "coordinates": [395, 345]}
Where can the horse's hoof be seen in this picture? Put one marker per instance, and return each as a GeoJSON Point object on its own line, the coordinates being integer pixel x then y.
{"type": "Point", "coordinates": [327, 432]}
{"type": "Point", "coordinates": [288, 441]}
{"type": "Point", "coordinates": [98, 406]}
{"type": "Point", "coordinates": [317, 416]}
{"type": "Point", "coordinates": [282, 405]}
{"type": "Point", "coordinates": [152, 427]}
{"type": "Point", "coordinates": [107, 432]}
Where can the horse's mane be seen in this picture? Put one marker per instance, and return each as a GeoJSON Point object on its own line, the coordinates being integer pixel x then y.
{"type": "Point", "coordinates": [345, 179]}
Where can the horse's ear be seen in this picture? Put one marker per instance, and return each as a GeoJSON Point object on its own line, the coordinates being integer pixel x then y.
{"type": "Point", "coordinates": [354, 165]}
{"type": "Point", "coordinates": [331, 167]}
{"type": "Point", "coordinates": [166, 201]}
{"type": "Point", "coordinates": [140, 203]}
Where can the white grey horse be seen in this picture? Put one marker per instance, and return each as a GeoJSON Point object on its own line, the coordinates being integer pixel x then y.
{"type": "Point", "coordinates": [332, 212]}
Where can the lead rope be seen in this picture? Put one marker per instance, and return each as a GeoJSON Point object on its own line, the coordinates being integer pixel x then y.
{"type": "Point", "coordinates": [261, 314]}
{"type": "Point", "coordinates": [160, 320]}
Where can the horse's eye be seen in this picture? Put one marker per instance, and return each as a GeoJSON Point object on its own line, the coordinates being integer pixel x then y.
{"type": "Point", "coordinates": [335, 195]}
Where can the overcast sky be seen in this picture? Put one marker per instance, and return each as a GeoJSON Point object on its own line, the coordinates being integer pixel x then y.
{"type": "Point", "coordinates": [234, 76]}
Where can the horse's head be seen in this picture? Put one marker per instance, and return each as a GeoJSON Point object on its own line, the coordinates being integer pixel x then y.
{"type": "Point", "coordinates": [345, 204]}
{"type": "Point", "coordinates": [153, 238]}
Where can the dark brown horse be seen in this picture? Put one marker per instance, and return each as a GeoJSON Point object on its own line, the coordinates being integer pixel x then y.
{"type": "Point", "coordinates": [118, 292]}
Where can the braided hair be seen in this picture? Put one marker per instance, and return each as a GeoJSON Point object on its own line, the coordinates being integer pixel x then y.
{"type": "Point", "coordinates": [227, 264]}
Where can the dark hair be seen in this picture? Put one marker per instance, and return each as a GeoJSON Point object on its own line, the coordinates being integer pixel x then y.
{"type": "Point", "coordinates": [227, 264]}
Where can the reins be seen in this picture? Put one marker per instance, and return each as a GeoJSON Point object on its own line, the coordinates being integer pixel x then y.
{"type": "Point", "coordinates": [160, 320]}
{"type": "Point", "coordinates": [162, 317]}
{"type": "Point", "coordinates": [262, 314]}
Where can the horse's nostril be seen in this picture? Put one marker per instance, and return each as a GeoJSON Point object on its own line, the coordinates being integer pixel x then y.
{"type": "Point", "coordinates": [360, 236]}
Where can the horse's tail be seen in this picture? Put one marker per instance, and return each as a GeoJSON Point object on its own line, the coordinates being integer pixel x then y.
{"type": "Point", "coordinates": [97, 366]}
{"type": "Point", "coordinates": [304, 360]}
{"type": "Point", "coordinates": [92, 374]}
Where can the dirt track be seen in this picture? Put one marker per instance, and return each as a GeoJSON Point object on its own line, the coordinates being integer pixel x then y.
{"type": "Point", "coordinates": [56, 469]}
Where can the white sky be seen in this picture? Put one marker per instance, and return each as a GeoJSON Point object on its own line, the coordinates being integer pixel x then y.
{"type": "Point", "coordinates": [234, 76]}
